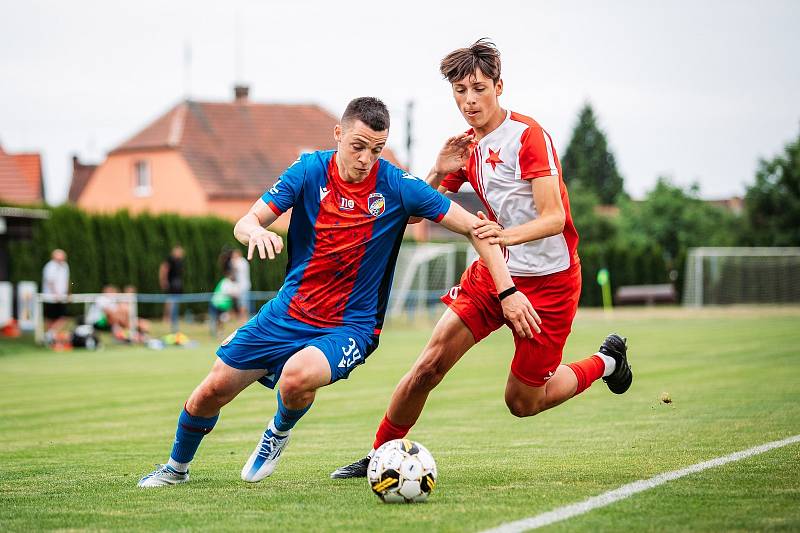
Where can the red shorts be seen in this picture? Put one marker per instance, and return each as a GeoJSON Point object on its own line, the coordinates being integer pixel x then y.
{"type": "Point", "coordinates": [555, 299]}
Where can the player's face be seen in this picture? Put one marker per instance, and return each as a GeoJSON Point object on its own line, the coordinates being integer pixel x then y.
{"type": "Point", "coordinates": [359, 147]}
{"type": "Point", "coordinates": [476, 97]}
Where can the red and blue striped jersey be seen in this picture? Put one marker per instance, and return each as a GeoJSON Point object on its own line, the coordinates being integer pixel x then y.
{"type": "Point", "coordinates": [344, 237]}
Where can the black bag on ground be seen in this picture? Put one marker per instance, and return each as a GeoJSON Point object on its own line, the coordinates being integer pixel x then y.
{"type": "Point", "coordinates": [84, 337]}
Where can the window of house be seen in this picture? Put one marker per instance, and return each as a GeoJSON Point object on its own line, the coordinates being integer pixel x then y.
{"type": "Point", "coordinates": [142, 180]}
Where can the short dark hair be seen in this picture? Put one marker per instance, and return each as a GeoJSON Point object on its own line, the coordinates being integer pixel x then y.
{"type": "Point", "coordinates": [483, 55]}
{"type": "Point", "coordinates": [369, 110]}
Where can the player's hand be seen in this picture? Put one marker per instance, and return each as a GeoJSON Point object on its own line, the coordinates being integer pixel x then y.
{"type": "Point", "coordinates": [454, 154]}
{"type": "Point", "coordinates": [519, 311]}
{"type": "Point", "coordinates": [269, 244]}
{"type": "Point", "coordinates": [483, 228]}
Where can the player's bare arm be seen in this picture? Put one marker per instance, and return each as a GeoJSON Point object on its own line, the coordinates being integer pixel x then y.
{"type": "Point", "coordinates": [547, 197]}
{"type": "Point", "coordinates": [251, 230]}
{"type": "Point", "coordinates": [516, 307]}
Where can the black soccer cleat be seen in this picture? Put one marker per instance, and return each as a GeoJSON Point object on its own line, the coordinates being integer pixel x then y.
{"type": "Point", "coordinates": [357, 469]}
{"type": "Point", "coordinates": [621, 378]}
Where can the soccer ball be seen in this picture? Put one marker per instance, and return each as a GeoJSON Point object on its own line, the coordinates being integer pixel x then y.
{"type": "Point", "coordinates": [402, 471]}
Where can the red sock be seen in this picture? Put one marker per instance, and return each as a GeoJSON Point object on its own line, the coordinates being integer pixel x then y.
{"type": "Point", "coordinates": [387, 431]}
{"type": "Point", "coordinates": [587, 371]}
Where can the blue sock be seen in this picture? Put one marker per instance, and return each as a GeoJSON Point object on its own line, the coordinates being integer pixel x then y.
{"type": "Point", "coordinates": [286, 418]}
{"type": "Point", "coordinates": [191, 430]}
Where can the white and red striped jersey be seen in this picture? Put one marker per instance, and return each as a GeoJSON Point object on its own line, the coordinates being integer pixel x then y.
{"type": "Point", "coordinates": [500, 169]}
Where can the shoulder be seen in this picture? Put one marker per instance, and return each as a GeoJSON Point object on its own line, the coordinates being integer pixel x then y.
{"type": "Point", "coordinates": [532, 134]}
{"type": "Point", "coordinates": [395, 174]}
{"type": "Point", "coordinates": [524, 119]}
{"type": "Point", "coordinates": [526, 125]}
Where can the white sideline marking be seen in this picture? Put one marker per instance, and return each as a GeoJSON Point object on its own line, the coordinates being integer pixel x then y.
{"type": "Point", "coordinates": [607, 498]}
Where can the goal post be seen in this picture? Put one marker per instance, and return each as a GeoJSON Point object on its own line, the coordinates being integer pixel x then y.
{"type": "Point", "coordinates": [742, 275]}
{"type": "Point", "coordinates": [424, 272]}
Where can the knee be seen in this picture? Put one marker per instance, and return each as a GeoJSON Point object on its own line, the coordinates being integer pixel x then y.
{"type": "Point", "coordinates": [206, 398]}
{"type": "Point", "coordinates": [427, 374]}
{"type": "Point", "coordinates": [294, 382]}
{"type": "Point", "coordinates": [522, 407]}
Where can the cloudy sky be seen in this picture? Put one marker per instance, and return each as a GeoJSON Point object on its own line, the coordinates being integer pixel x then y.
{"type": "Point", "coordinates": [693, 90]}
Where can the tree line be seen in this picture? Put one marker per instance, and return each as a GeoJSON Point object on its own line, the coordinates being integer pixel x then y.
{"type": "Point", "coordinates": [647, 241]}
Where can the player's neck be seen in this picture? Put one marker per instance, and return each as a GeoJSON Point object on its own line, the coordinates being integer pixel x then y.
{"type": "Point", "coordinates": [344, 176]}
{"type": "Point", "coordinates": [498, 118]}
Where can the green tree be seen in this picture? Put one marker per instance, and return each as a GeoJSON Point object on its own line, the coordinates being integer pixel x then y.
{"type": "Point", "coordinates": [676, 219]}
{"type": "Point", "coordinates": [772, 203]}
{"type": "Point", "coordinates": [588, 160]}
{"type": "Point", "coordinates": [593, 228]}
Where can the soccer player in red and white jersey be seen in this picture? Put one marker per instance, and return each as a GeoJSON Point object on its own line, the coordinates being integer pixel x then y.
{"type": "Point", "coordinates": [510, 161]}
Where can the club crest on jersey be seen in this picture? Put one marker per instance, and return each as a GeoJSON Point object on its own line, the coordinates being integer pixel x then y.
{"type": "Point", "coordinates": [376, 204]}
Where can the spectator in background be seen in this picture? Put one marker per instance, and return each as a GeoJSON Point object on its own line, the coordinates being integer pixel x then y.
{"type": "Point", "coordinates": [124, 314]}
{"type": "Point", "coordinates": [170, 277]}
{"type": "Point", "coordinates": [103, 314]}
{"type": "Point", "coordinates": [55, 284]}
{"type": "Point", "coordinates": [222, 301]}
{"type": "Point", "coordinates": [241, 275]}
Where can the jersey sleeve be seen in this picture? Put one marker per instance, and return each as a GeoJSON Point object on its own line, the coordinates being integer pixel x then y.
{"type": "Point", "coordinates": [537, 157]}
{"type": "Point", "coordinates": [281, 196]}
{"type": "Point", "coordinates": [420, 200]}
{"type": "Point", "coordinates": [453, 181]}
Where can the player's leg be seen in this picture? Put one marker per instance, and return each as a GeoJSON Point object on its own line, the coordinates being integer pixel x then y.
{"type": "Point", "coordinates": [609, 363]}
{"type": "Point", "coordinates": [198, 417]}
{"type": "Point", "coordinates": [538, 381]}
{"type": "Point", "coordinates": [450, 340]}
{"type": "Point", "coordinates": [304, 373]}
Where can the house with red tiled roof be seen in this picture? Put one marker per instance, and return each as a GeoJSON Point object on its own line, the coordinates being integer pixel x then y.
{"type": "Point", "coordinates": [208, 158]}
{"type": "Point", "coordinates": [21, 179]}
{"type": "Point", "coordinates": [81, 173]}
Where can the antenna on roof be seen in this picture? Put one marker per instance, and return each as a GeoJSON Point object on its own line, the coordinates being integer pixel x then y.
{"type": "Point", "coordinates": [187, 69]}
{"type": "Point", "coordinates": [409, 133]}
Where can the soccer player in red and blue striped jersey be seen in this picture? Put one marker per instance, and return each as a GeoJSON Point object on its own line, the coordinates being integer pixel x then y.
{"type": "Point", "coordinates": [349, 212]}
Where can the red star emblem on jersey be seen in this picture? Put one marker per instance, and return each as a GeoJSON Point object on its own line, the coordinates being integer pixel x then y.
{"type": "Point", "coordinates": [494, 158]}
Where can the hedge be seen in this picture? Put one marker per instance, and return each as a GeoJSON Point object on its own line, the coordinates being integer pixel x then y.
{"type": "Point", "coordinates": [124, 249]}
{"type": "Point", "coordinates": [127, 249]}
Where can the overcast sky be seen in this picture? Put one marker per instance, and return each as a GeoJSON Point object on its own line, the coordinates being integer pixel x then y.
{"type": "Point", "coordinates": [694, 90]}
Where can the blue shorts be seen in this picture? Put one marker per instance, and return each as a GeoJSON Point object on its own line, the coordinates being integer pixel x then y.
{"type": "Point", "coordinates": [271, 337]}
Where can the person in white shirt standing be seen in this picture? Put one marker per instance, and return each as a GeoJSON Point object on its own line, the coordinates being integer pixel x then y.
{"type": "Point", "coordinates": [241, 275]}
{"type": "Point", "coordinates": [55, 284]}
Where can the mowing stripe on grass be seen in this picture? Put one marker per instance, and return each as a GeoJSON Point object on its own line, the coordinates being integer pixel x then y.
{"type": "Point", "coordinates": [607, 498]}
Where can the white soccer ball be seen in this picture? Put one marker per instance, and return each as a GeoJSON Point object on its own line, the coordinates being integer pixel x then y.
{"type": "Point", "coordinates": [402, 471]}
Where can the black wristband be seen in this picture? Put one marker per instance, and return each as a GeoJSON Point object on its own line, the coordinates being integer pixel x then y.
{"type": "Point", "coordinates": [506, 293]}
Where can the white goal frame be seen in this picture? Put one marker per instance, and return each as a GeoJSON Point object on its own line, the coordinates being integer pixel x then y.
{"type": "Point", "coordinates": [705, 264]}
{"type": "Point", "coordinates": [413, 264]}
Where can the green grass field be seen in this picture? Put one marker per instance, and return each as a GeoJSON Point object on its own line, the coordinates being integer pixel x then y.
{"type": "Point", "coordinates": [78, 429]}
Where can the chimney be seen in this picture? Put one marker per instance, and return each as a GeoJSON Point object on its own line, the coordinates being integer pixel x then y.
{"type": "Point", "coordinates": [240, 93]}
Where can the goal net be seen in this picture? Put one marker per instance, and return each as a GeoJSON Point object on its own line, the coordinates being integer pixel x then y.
{"type": "Point", "coordinates": [718, 276]}
{"type": "Point", "coordinates": [424, 272]}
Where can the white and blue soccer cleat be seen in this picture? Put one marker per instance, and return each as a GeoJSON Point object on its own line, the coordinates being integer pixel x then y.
{"type": "Point", "coordinates": [163, 475]}
{"type": "Point", "coordinates": [265, 457]}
